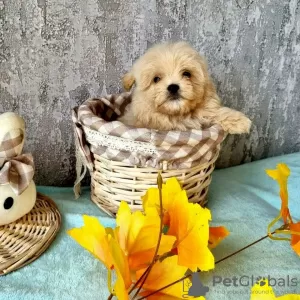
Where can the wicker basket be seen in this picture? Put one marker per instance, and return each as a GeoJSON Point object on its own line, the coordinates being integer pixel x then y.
{"type": "Point", "coordinates": [114, 181]}
{"type": "Point", "coordinates": [26, 239]}
{"type": "Point", "coordinates": [124, 162]}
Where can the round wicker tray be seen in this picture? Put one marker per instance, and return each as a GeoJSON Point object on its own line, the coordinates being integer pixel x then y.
{"type": "Point", "coordinates": [24, 240]}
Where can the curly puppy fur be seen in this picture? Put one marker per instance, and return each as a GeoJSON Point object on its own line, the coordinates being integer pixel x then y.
{"type": "Point", "coordinates": [173, 91]}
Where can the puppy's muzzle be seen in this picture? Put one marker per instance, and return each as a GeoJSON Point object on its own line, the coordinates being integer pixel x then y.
{"type": "Point", "coordinates": [173, 89]}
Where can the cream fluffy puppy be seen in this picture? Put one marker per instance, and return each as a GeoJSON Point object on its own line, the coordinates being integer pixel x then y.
{"type": "Point", "coordinates": [173, 91]}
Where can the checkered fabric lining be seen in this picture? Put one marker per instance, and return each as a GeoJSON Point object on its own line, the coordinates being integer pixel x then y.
{"type": "Point", "coordinates": [16, 170]}
{"type": "Point", "coordinates": [179, 149]}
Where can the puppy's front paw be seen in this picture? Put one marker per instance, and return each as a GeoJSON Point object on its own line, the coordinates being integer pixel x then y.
{"type": "Point", "coordinates": [236, 123]}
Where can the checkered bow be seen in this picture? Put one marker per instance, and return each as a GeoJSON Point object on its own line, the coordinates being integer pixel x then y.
{"type": "Point", "coordinates": [97, 131]}
{"type": "Point", "coordinates": [16, 170]}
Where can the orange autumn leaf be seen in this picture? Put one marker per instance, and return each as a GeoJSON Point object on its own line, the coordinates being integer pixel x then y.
{"type": "Point", "coordinates": [217, 235]}
{"type": "Point", "coordinates": [295, 240]}
{"type": "Point", "coordinates": [162, 274]}
{"type": "Point", "coordinates": [138, 236]}
{"type": "Point", "coordinates": [281, 174]}
{"type": "Point", "coordinates": [189, 223]}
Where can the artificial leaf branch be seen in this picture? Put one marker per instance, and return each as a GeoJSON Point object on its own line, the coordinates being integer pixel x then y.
{"type": "Point", "coordinates": [171, 234]}
{"type": "Point", "coordinates": [150, 250]}
{"type": "Point", "coordinates": [148, 270]}
{"type": "Point", "coordinates": [281, 175]}
{"type": "Point", "coordinates": [217, 262]}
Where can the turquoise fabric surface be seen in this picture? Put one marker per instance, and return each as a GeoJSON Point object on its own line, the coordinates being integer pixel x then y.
{"type": "Point", "coordinates": [243, 198]}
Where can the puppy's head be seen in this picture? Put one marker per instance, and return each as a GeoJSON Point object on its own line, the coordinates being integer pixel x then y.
{"type": "Point", "coordinates": [171, 77]}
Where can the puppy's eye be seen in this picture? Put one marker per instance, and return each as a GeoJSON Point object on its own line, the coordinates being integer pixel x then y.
{"type": "Point", "coordinates": [156, 79]}
{"type": "Point", "coordinates": [186, 74]}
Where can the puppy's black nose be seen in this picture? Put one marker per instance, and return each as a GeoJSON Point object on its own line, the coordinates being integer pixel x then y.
{"type": "Point", "coordinates": [173, 88]}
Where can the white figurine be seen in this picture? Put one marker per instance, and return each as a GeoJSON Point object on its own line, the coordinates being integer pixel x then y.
{"type": "Point", "coordinates": [17, 189]}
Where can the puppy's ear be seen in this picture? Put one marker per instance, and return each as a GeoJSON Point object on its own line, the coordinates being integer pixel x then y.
{"type": "Point", "coordinates": [128, 81]}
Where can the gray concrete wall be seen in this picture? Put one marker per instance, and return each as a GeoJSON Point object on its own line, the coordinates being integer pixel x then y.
{"type": "Point", "coordinates": [54, 54]}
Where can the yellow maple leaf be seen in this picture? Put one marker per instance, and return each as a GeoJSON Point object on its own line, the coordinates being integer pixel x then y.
{"type": "Point", "coordinates": [186, 221]}
{"type": "Point", "coordinates": [189, 223]}
{"type": "Point", "coordinates": [169, 190]}
{"type": "Point", "coordinates": [121, 267]}
{"type": "Point", "coordinates": [216, 235]}
{"type": "Point", "coordinates": [93, 237]}
{"type": "Point", "coordinates": [138, 236]}
{"type": "Point", "coordinates": [265, 292]}
{"type": "Point", "coordinates": [281, 174]}
{"type": "Point", "coordinates": [98, 241]}
{"type": "Point", "coordinates": [162, 274]}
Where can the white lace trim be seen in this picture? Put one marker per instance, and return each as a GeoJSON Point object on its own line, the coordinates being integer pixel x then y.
{"type": "Point", "coordinates": [96, 138]}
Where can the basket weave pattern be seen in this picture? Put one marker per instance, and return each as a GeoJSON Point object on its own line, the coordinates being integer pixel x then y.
{"type": "Point", "coordinates": [24, 240]}
{"type": "Point", "coordinates": [113, 182]}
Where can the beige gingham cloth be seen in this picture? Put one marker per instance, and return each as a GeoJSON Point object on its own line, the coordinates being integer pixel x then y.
{"type": "Point", "coordinates": [97, 131]}
{"type": "Point", "coordinates": [10, 143]}
{"type": "Point", "coordinates": [16, 170]}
